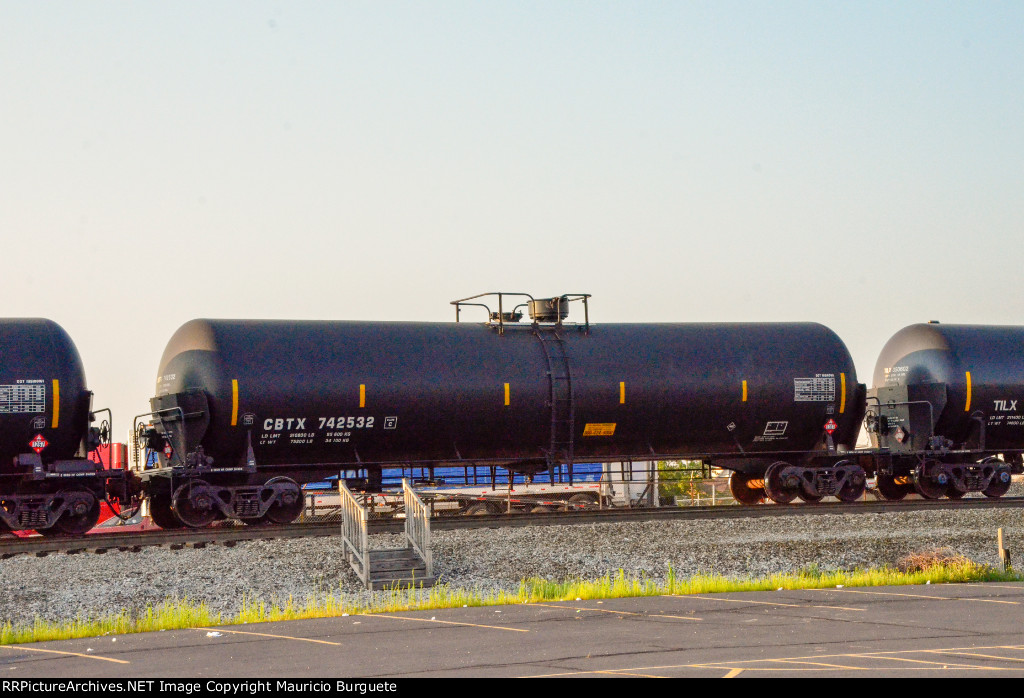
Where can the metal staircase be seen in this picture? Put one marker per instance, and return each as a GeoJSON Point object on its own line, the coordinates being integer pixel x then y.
{"type": "Point", "coordinates": [393, 568]}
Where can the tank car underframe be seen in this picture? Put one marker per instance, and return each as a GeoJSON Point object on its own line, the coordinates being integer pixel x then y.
{"type": "Point", "coordinates": [61, 497]}
{"type": "Point", "coordinates": [931, 474]}
{"type": "Point", "coordinates": [198, 493]}
{"type": "Point", "coordinates": [54, 506]}
{"type": "Point", "coordinates": [784, 477]}
{"type": "Point", "coordinates": [934, 474]}
{"type": "Point", "coordinates": [196, 497]}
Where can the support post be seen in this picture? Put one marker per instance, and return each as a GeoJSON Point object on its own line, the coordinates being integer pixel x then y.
{"type": "Point", "coordinates": [1004, 554]}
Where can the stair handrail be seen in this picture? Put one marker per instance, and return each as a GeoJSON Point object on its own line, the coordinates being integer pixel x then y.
{"type": "Point", "coordinates": [354, 531]}
{"type": "Point", "coordinates": [417, 525]}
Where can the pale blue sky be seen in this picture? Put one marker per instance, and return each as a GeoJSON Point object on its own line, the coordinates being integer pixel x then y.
{"type": "Point", "coordinates": [855, 164]}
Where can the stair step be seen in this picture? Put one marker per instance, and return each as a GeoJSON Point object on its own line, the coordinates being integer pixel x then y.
{"type": "Point", "coordinates": [377, 585]}
{"type": "Point", "coordinates": [389, 566]}
{"type": "Point", "coordinates": [392, 554]}
{"type": "Point", "coordinates": [419, 572]}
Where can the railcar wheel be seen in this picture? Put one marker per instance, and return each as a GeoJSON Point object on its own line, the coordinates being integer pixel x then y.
{"type": "Point", "coordinates": [927, 486]}
{"type": "Point", "coordinates": [929, 490]}
{"type": "Point", "coordinates": [999, 484]}
{"type": "Point", "coordinates": [194, 506]}
{"type": "Point", "coordinates": [8, 507]}
{"type": "Point", "coordinates": [810, 498]}
{"type": "Point", "coordinates": [854, 488]}
{"type": "Point", "coordinates": [161, 514]}
{"type": "Point", "coordinates": [80, 517]}
{"type": "Point", "coordinates": [582, 500]}
{"type": "Point", "coordinates": [288, 505]}
{"type": "Point", "coordinates": [889, 488]}
{"type": "Point", "coordinates": [850, 493]}
{"type": "Point", "coordinates": [775, 488]}
{"type": "Point", "coordinates": [541, 510]}
{"type": "Point", "coordinates": [953, 493]}
{"type": "Point", "coordinates": [477, 510]}
{"type": "Point", "coordinates": [746, 489]}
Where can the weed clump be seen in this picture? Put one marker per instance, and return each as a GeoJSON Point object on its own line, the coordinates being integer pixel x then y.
{"type": "Point", "coordinates": [940, 558]}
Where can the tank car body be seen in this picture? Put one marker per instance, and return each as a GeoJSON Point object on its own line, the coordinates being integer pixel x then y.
{"type": "Point", "coordinates": [947, 410]}
{"type": "Point", "coordinates": [46, 483]}
{"type": "Point", "coordinates": [251, 409]}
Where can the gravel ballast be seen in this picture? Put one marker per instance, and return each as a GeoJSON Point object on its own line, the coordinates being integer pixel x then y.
{"type": "Point", "coordinates": [63, 587]}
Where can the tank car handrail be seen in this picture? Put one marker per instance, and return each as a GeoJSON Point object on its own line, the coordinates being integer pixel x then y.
{"type": "Point", "coordinates": [417, 525]}
{"type": "Point", "coordinates": [492, 293]}
{"type": "Point", "coordinates": [458, 308]}
{"type": "Point", "coordinates": [354, 531]}
{"type": "Point", "coordinates": [501, 310]}
{"type": "Point", "coordinates": [135, 424]}
{"type": "Point", "coordinates": [567, 297]}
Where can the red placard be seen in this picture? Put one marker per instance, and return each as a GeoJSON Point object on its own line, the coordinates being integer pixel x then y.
{"type": "Point", "coordinates": [38, 443]}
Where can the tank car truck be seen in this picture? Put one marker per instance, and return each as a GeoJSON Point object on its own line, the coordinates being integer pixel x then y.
{"type": "Point", "coordinates": [46, 481]}
{"type": "Point", "coordinates": [946, 415]}
{"type": "Point", "coordinates": [247, 411]}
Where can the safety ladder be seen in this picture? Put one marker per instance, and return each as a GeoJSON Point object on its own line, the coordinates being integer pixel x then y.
{"type": "Point", "coordinates": [560, 400]}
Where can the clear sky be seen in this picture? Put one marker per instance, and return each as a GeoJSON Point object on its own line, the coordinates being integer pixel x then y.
{"type": "Point", "coordinates": [857, 164]}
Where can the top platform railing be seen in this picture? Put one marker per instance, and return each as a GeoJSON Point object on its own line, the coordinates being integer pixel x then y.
{"type": "Point", "coordinates": [501, 317]}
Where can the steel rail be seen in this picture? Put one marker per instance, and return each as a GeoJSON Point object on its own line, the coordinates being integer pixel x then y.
{"type": "Point", "coordinates": [229, 535]}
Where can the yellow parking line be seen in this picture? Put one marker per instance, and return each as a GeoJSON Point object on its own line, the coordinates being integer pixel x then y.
{"type": "Point", "coordinates": [944, 665]}
{"type": "Point", "coordinates": [815, 660]}
{"type": "Point", "coordinates": [923, 596]}
{"type": "Point", "coordinates": [602, 672]}
{"type": "Point", "coordinates": [821, 664]}
{"type": "Point", "coordinates": [69, 654]}
{"type": "Point", "coordinates": [1011, 603]}
{"type": "Point", "coordinates": [850, 655]}
{"type": "Point", "coordinates": [627, 672]}
{"type": "Point", "coordinates": [452, 622]}
{"type": "Point", "coordinates": [977, 654]}
{"type": "Point", "coordinates": [778, 603]}
{"type": "Point", "coordinates": [732, 671]}
{"type": "Point", "coordinates": [622, 613]}
{"type": "Point", "coordinates": [276, 637]}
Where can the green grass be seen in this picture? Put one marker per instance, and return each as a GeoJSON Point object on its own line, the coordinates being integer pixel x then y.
{"type": "Point", "coordinates": [175, 614]}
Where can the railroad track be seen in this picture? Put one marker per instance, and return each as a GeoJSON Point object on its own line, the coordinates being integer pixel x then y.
{"type": "Point", "coordinates": [230, 535]}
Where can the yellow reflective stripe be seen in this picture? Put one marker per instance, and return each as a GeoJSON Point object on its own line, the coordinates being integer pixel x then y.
{"type": "Point", "coordinates": [362, 395]}
{"type": "Point", "coordinates": [506, 395]}
{"type": "Point", "coordinates": [56, 403]}
{"type": "Point", "coordinates": [842, 399]}
{"type": "Point", "coordinates": [744, 391]}
{"type": "Point", "coordinates": [622, 393]}
{"type": "Point", "coordinates": [234, 402]}
{"type": "Point", "coordinates": [967, 407]}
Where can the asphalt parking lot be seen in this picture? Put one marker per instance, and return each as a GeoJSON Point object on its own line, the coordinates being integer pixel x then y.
{"type": "Point", "coordinates": [946, 630]}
